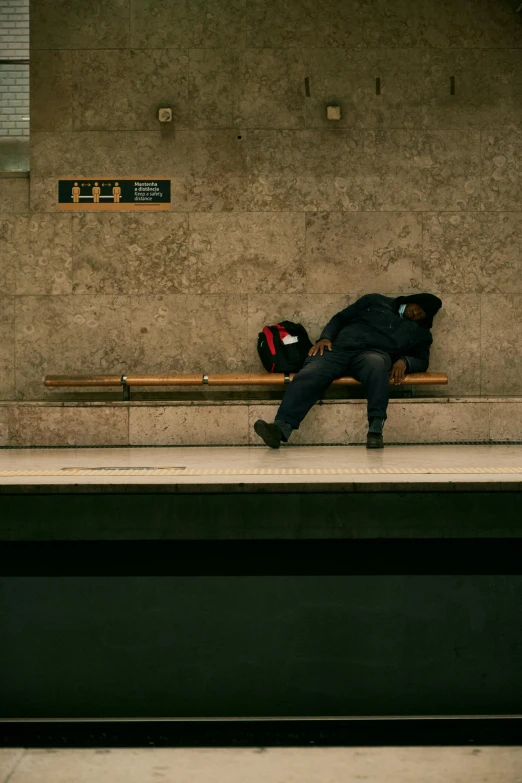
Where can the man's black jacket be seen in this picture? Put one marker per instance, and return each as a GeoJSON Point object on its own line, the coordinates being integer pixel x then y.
{"type": "Point", "coordinates": [373, 322]}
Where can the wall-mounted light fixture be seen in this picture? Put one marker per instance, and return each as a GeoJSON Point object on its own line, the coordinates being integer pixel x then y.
{"type": "Point", "coordinates": [165, 115]}
{"type": "Point", "coordinates": [333, 112]}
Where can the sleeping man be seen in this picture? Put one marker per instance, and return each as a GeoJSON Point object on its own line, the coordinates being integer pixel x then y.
{"type": "Point", "coordinates": [376, 340]}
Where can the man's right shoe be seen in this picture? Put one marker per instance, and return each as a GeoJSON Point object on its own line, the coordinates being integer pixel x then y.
{"type": "Point", "coordinates": [270, 433]}
{"type": "Point", "coordinates": [374, 440]}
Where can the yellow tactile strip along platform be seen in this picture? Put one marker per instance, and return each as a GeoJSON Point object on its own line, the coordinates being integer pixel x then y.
{"type": "Point", "coordinates": [343, 471]}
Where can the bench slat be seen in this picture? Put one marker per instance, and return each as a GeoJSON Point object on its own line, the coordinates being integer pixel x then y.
{"type": "Point", "coordinates": [246, 379]}
{"type": "Point", "coordinates": [167, 379]}
{"type": "Point", "coordinates": [219, 379]}
{"type": "Point", "coordinates": [415, 379]}
{"type": "Point", "coordinates": [83, 380]}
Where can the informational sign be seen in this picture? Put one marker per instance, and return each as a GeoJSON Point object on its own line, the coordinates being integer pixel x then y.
{"type": "Point", "coordinates": [124, 194]}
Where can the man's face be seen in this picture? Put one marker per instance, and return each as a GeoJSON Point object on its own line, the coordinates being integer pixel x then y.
{"type": "Point", "coordinates": [414, 312]}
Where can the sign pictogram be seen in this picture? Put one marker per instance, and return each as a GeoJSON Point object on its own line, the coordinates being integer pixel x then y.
{"type": "Point", "coordinates": [124, 194]}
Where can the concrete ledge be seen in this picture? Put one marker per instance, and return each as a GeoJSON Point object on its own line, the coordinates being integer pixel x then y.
{"type": "Point", "coordinates": [51, 426]}
{"type": "Point", "coordinates": [208, 423]}
{"type": "Point", "coordinates": [182, 425]}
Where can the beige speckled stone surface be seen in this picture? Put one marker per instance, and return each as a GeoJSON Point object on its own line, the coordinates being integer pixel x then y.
{"type": "Point", "coordinates": [502, 169]}
{"type": "Point", "coordinates": [305, 153]}
{"type": "Point", "coordinates": [357, 24]}
{"type": "Point", "coordinates": [69, 24]}
{"type": "Point", "coordinates": [61, 426]}
{"type": "Point", "coordinates": [189, 426]}
{"type": "Point", "coordinates": [501, 344]}
{"type": "Point", "coordinates": [223, 82]}
{"type": "Point", "coordinates": [484, 96]}
{"type": "Point", "coordinates": [43, 193]}
{"type": "Point", "coordinates": [466, 24]}
{"type": "Point", "coordinates": [394, 25]}
{"type": "Point", "coordinates": [7, 347]}
{"type": "Point", "coordinates": [383, 170]}
{"type": "Point", "coordinates": [122, 89]}
{"type": "Point", "coordinates": [275, 77]}
{"type": "Point", "coordinates": [416, 170]}
{"type": "Point", "coordinates": [214, 177]}
{"type": "Point", "coordinates": [103, 153]}
{"type": "Point", "coordinates": [198, 23]}
{"type": "Point", "coordinates": [158, 24]}
{"type": "Point", "coordinates": [179, 333]}
{"type": "Point", "coordinates": [4, 432]}
{"type": "Point", "coordinates": [506, 421]}
{"type": "Point", "coordinates": [246, 253]}
{"type": "Point", "coordinates": [307, 193]}
{"type": "Point", "coordinates": [456, 345]}
{"type": "Point", "coordinates": [298, 23]}
{"type": "Point", "coordinates": [219, 153]}
{"type": "Point", "coordinates": [273, 765]}
{"type": "Point", "coordinates": [419, 420]}
{"type": "Point", "coordinates": [130, 253]}
{"type": "Point", "coordinates": [350, 252]}
{"type": "Point", "coordinates": [432, 423]}
{"type": "Point", "coordinates": [218, 23]}
{"type": "Point", "coordinates": [8, 252]}
{"type": "Point", "coordinates": [14, 195]}
{"type": "Point", "coordinates": [306, 170]}
{"type": "Point", "coordinates": [9, 758]}
{"type": "Point", "coordinates": [35, 254]}
{"type": "Point", "coordinates": [212, 192]}
{"type": "Point", "coordinates": [347, 78]}
{"type": "Point", "coordinates": [214, 87]}
{"type": "Point", "coordinates": [51, 98]}
{"type": "Point", "coordinates": [473, 252]}
{"type": "Point", "coordinates": [44, 255]}
{"type": "Point", "coordinates": [56, 335]}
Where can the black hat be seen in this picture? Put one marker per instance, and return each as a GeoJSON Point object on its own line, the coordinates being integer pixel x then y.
{"type": "Point", "coordinates": [430, 304]}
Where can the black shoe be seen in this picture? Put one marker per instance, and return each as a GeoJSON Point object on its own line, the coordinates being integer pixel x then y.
{"type": "Point", "coordinates": [270, 433]}
{"type": "Point", "coordinates": [374, 440]}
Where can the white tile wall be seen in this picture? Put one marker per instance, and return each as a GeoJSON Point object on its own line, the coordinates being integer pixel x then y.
{"type": "Point", "coordinates": [14, 79]}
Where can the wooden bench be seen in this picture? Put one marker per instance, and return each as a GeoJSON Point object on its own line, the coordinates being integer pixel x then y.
{"type": "Point", "coordinates": [127, 382]}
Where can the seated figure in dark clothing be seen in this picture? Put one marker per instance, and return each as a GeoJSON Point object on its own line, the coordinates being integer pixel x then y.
{"type": "Point", "coordinates": [375, 340]}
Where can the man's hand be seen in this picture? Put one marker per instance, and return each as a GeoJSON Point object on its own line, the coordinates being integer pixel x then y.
{"type": "Point", "coordinates": [398, 371]}
{"type": "Point", "coordinates": [319, 347]}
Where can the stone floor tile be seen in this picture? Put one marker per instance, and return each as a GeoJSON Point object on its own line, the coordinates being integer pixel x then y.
{"type": "Point", "coordinates": [271, 765]}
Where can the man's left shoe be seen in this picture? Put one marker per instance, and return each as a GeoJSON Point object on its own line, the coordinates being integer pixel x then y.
{"type": "Point", "coordinates": [374, 440]}
{"type": "Point", "coordinates": [270, 433]}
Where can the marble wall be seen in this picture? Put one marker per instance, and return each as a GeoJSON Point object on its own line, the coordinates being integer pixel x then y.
{"type": "Point", "coordinates": [276, 211]}
{"type": "Point", "coordinates": [230, 423]}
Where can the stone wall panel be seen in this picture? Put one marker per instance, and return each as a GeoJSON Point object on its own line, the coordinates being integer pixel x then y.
{"type": "Point", "coordinates": [7, 351]}
{"type": "Point", "coordinates": [130, 253]}
{"type": "Point", "coordinates": [79, 24]}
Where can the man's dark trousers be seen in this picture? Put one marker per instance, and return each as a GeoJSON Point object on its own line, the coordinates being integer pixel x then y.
{"type": "Point", "coordinates": [372, 368]}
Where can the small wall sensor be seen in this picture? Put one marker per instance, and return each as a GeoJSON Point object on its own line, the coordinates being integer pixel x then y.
{"type": "Point", "coordinates": [165, 115]}
{"type": "Point", "coordinates": [333, 112]}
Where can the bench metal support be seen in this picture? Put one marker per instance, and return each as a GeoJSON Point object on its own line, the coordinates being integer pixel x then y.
{"type": "Point", "coordinates": [125, 388]}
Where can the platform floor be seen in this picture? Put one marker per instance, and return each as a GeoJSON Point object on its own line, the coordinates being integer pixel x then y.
{"type": "Point", "coordinates": [264, 765]}
{"type": "Point", "coordinates": [234, 465]}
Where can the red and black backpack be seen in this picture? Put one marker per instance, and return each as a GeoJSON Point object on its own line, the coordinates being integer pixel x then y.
{"type": "Point", "coordinates": [283, 347]}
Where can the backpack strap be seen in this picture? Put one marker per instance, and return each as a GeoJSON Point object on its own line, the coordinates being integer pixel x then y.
{"type": "Point", "coordinates": [282, 331]}
{"type": "Point", "coordinates": [270, 340]}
